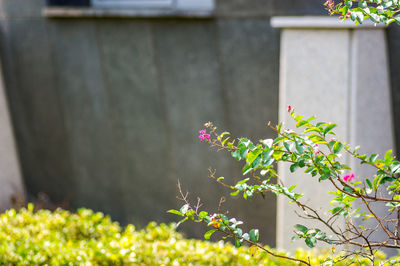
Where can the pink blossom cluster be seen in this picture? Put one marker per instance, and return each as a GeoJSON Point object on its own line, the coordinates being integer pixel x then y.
{"type": "Point", "coordinates": [316, 149]}
{"type": "Point", "coordinates": [203, 135]}
{"type": "Point", "coordinates": [348, 177]}
{"type": "Point", "coordinates": [330, 4]}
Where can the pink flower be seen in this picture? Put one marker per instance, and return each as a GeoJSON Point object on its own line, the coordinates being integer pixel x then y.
{"type": "Point", "coordinates": [316, 149]}
{"type": "Point", "coordinates": [348, 177]}
{"type": "Point", "coordinates": [330, 4]}
{"type": "Point", "coordinates": [203, 135]}
{"type": "Point", "coordinates": [289, 108]}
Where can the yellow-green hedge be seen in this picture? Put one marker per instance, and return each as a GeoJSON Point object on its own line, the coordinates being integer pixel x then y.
{"type": "Point", "coordinates": [88, 238]}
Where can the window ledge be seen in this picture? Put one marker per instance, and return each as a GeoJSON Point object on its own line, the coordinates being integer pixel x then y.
{"type": "Point", "coordinates": [90, 12]}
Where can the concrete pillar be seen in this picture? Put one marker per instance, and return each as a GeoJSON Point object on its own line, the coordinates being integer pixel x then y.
{"type": "Point", "coordinates": [11, 185]}
{"type": "Point", "coordinates": [338, 72]}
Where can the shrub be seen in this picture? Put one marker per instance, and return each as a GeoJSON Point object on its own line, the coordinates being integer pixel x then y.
{"type": "Point", "coordinates": [61, 238]}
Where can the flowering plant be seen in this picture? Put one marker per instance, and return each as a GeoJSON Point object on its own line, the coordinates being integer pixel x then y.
{"type": "Point", "coordinates": [315, 152]}
{"type": "Point", "coordinates": [378, 11]}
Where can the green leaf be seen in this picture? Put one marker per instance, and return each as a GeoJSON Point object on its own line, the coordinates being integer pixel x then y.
{"type": "Point", "coordinates": [267, 142]}
{"type": "Point", "coordinates": [249, 193]}
{"type": "Point", "coordinates": [175, 212]}
{"type": "Point", "coordinates": [301, 123]}
{"type": "Point", "coordinates": [372, 158]}
{"type": "Point", "coordinates": [244, 142]}
{"type": "Point", "coordinates": [293, 167]}
{"type": "Point", "coordinates": [376, 182]}
{"type": "Point", "coordinates": [278, 139]}
{"type": "Point", "coordinates": [294, 238]}
{"type": "Point", "coordinates": [368, 183]}
{"type": "Point", "coordinates": [256, 163]}
{"type": "Point", "coordinates": [311, 241]}
{"type": "Point", "coordinates": [203, 214]}
{"type": "Point", "coordinates": [309, 169]}
{"type": "Point", "coordinates": [287, 146]}
{"type": "Point", "coordinates": [337, 147]}
{"type": "Point", "coordinates": [329, 128]}
{"type": "Point", "coordinates": [301, 228]}
{"type": "Point", "coordinates": [388, 158]}
{"type": "Point", "coordinates": [243, 152]}
{"type": "Point", "coordinates": [336, 210]}
{"type": "Point", "coordinates": [208, 234]}
{"type": "Point", "coordinates": [299, 148]}
{"type": "Point", "coordinates": [236, 155]}
{"type": "Point", "coordinates": [224, 141]}
{"type": "Point", "coordinates": [241, 182]}
{"type": "Point", "coordinates": [235, 193]}
{"type": "Point", "coordinates": [395, 167]}
{"type": "Point", "coordinates": [326, 173]}
{"type": "Point", "coordinates": [246, 169]}
{"type": "Point", "coordinates": [348, 189]}
{"type": "Point", "coordinates": [190, 214]}
{"type": "Point", "coordinates": [386, 179]}
{"type": "Point", "coordinates": [251, 156]}
{"type": "Point", "coordinates": [238, 232]}
{"type": "Point", "coordinates": [238, 242]}
{"type": "Point", "coordinates": [246, 236]}
{"type": "Point", "coordinates": [254, 235]}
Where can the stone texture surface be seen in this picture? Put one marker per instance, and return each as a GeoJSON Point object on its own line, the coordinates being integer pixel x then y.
{"type": "Point", "coordinates": [243, 8]}
{"type": "Point", "coordinates": [23, 8]}
{"type": "Point", "coordinates": [10, 178]}
{"type": "Point", "coordinates": [34, 103]}
{"type": "Point", "coordinates": [86, 108]}
{"type": "Point", "coordinates": [192, 96]}
{"type": "Point", "coordinates": [309, 83]}
{"type": "Point", "coordinates": [371, 124]}
{"type": "Point", "coordinates": [265, 8]}
{"type": "Point", "coordinates": [251, 63]}
{"type": "Point", "coordinates": [295, 7]}
{"type": "Point", "coordinates": [137, 117]}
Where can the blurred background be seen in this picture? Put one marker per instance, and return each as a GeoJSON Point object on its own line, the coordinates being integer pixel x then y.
{"type": "Point", "coordinates": [106, 99]}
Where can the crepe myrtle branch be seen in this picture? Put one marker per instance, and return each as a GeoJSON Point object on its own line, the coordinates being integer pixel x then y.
{"type": "Point", "coordinates": [310, 213]}
{"type": "Point", "coordinates": [377, 11]}
{"type": "Point", "coordinates": [221, 224]}
{"type": "Point", "coordinates": [320, 156]}
{"type": "Point", "coordinates": [317, 216]}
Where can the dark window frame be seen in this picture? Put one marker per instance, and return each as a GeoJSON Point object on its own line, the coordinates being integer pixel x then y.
{"type": "Point", "coordinates": [69, 3]}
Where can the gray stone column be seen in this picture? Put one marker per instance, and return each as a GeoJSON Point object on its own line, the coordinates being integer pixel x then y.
{"type": "Point", "coordinates": [11, 185]}
{"type": "Point", "coordinates": [338, 72]}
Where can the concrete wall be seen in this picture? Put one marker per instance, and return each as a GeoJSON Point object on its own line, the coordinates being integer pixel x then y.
{"type": "Point", "coordinates": [106, 111]}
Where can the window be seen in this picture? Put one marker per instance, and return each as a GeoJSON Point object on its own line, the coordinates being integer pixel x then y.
{"type": "Point", "coordinates": [76, 3]}
{"type": "Point", "coordinates": [129, 8]}
{"type": "Point", "coordinates": [206, 5]}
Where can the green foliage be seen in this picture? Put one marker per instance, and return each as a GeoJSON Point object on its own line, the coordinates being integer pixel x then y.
{"type": "Point", "coordinates": [378, 11]}
{"type": "Point", "coordinates": [64, 238]}
{"type": "Point", "coordinates": [311, 149]}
